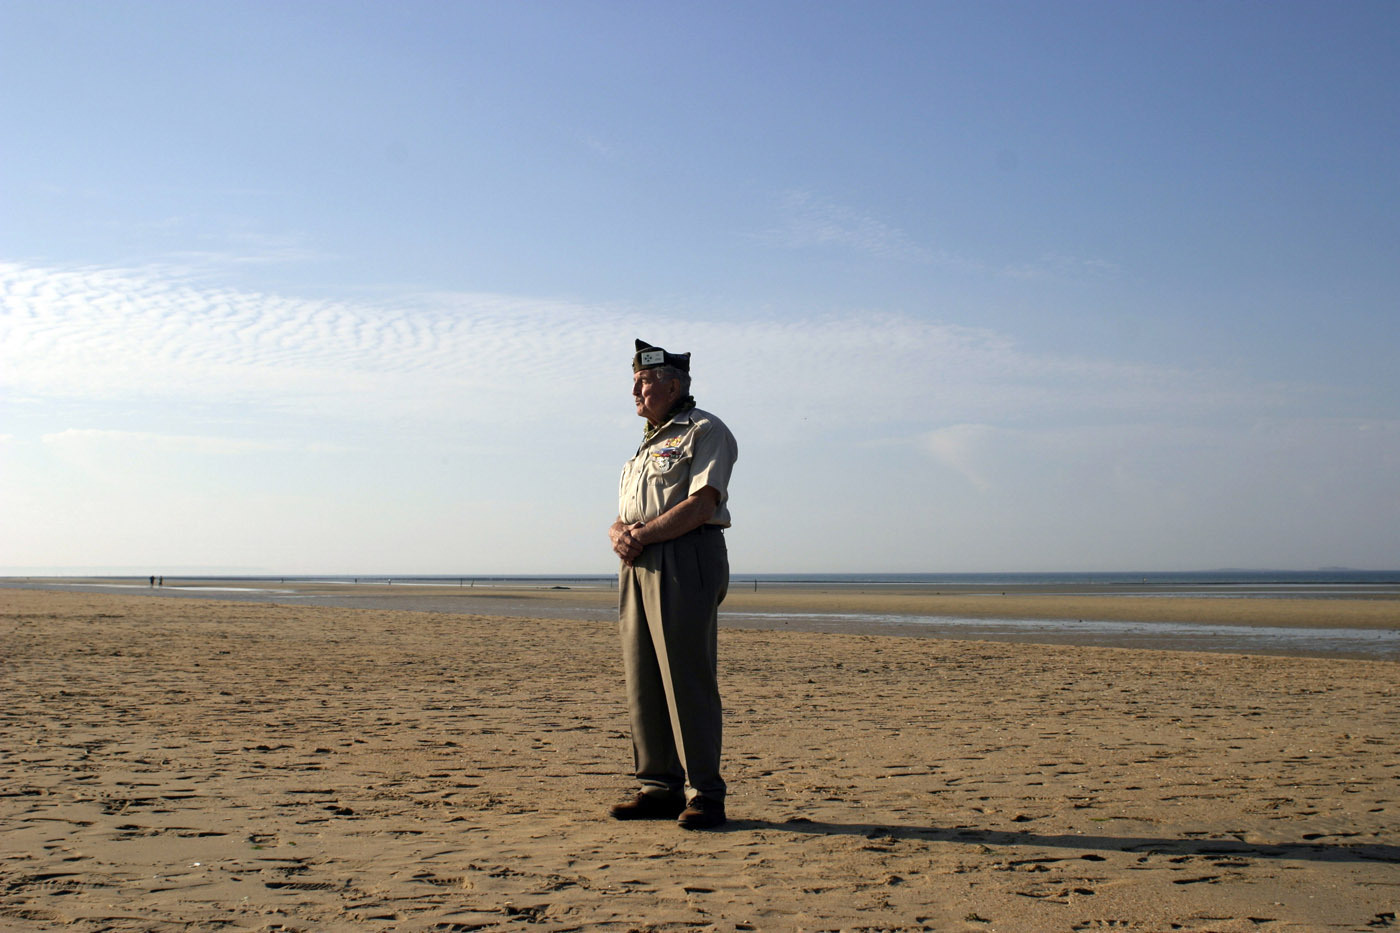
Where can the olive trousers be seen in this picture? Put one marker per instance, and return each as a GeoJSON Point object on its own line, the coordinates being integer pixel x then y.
{"type": "Point", "coordinates": [668, 604]}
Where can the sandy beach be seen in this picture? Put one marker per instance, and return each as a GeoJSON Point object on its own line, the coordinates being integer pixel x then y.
{"type": "Point", "coordinates": [198, 764]}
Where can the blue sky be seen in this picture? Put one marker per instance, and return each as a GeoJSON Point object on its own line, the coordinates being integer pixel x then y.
{"type": "Point", "coordinates": [979, 286]}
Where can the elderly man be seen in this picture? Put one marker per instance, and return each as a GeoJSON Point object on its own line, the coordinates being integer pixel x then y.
{"type": "Point", "coordinates": [673, 503]}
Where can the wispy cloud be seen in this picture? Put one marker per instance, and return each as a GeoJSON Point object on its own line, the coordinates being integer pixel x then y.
{"type": "Point", "coordinates": [1059, 265]}
{"type": "Point", "coordinates": [159, 335]}
{"type": "Point", "coordinates": [100, 439]}
{"type": "Point", "coordinates": [248, 250]}
{"type": "Point", "coordinates": [462, 411]}
{"type": "Point", "coordinates": [606, 150]}
{"type": "Point", "coordinates": [808, 221]}
{"type": "Point", "coordinates": [959, 447]}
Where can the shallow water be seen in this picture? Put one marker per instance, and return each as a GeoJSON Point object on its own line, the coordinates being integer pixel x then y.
{"type": "Point", "coordinates": [509, 597]}
{"type": "Point", "coordinates": [1374, 644]}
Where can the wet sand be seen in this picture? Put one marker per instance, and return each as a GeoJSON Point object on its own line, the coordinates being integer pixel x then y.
{"type": "Point", "coordinates": [175, 764]}
{"type": "Point", "coordinates": [1171, 622]}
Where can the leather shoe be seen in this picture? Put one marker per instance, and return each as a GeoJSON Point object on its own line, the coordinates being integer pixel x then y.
{"type": "Point", "coordinates": [648, 807]}
{"type": "Point", "coordinates": [703, 813]}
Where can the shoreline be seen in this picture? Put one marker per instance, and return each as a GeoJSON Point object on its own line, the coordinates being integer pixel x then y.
{"type": "Point", "coordinates": [1366, 627]}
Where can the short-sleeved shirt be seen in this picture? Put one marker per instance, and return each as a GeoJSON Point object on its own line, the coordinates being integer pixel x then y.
{"type": "Point", "coordinates": [691, 451]}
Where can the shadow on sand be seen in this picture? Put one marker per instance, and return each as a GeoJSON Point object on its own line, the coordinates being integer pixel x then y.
{"type": "Point", "coordinates": [1305, 849]}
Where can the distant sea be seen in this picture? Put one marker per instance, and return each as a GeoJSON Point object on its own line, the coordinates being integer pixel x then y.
{"type": "Point", "coordinates": [1232, 583]}
{"type": "Point", "coordinates": [1324, 578]}
{"type": "Point", "coordinates": [1199, 582]}
{"type": "Point", "coordinates": [1191, 577]}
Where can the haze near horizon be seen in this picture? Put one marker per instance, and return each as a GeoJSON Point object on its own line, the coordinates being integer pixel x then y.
{"type": "Point", "coordinates": [978, 287]}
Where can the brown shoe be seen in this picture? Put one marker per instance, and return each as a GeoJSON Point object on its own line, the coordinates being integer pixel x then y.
{"type": "Point", "coordinates": [703, 813]}
{"type": "Point", "coordinates": [648, 807]}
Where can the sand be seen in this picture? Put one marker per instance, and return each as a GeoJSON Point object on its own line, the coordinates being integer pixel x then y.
{"type": "Point", "coordinates": [187, 764]}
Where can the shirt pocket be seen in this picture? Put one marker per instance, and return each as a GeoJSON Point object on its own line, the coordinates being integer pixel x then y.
{"type": "Point", "coordinates": [667, 476]}
{"type": "Point", "coordinates": [666, 462]}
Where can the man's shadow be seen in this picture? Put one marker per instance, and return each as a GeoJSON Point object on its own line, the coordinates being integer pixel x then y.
{"type": "Point", "coordinates": [1306, 848]}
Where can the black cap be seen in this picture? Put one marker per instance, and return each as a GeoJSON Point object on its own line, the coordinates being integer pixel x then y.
{"type": "Point", "coordinates": [650, 357]}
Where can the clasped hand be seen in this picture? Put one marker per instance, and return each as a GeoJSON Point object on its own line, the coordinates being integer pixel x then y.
{"type": "Point", "coordinates": [625, 541]}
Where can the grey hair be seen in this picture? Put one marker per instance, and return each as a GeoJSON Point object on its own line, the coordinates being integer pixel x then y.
{"type": "Point", "coordinates": [670, 372]}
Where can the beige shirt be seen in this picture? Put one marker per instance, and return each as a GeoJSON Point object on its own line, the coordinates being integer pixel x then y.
{"type": "Point", "coordinates": [691, 451]}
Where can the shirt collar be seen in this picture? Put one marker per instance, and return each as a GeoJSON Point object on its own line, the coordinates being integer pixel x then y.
{"type": "Point", "coordinates": [680, 414]}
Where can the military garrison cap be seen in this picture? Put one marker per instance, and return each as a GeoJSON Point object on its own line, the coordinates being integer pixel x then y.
{"type": "Point", "coordinates": [650, 357]}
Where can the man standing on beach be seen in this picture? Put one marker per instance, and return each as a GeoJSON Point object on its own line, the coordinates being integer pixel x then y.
{"type": "Point", "coordinates": [672, 507]}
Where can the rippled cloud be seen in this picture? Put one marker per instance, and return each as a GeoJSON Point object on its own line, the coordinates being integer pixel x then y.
{"type": "Point", "coordinates": [154, 334]}
{"type": "Point", "coordinates": [157, 335]}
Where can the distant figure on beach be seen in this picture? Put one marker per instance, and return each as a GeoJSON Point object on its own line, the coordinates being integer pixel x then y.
{"type": "Point", "coordinates": [153, 580]}
{"type": "Point", "coordinates": [672, 507]}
